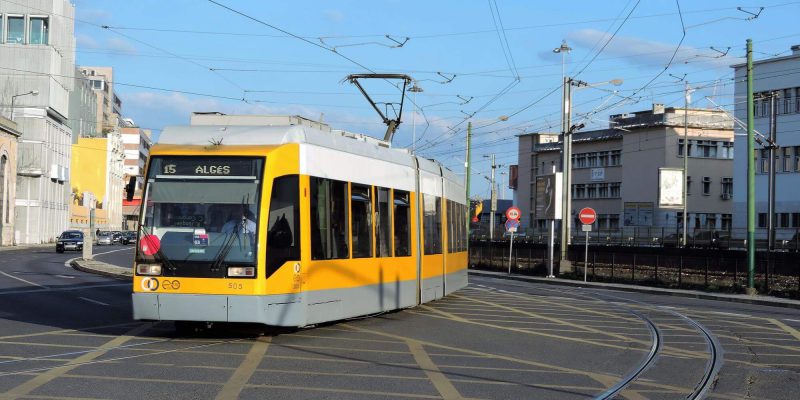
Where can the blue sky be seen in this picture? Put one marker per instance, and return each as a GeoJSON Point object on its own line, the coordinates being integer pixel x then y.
{"type": "Point", "coordinates": [174, 57]}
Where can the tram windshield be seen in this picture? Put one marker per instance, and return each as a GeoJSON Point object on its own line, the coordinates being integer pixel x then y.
{"type": "Point", "coordinates": [201, 209]}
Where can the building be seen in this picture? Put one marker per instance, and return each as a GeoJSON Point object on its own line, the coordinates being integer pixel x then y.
{"type": "Point", "coordinates": [770, 75]}
{"type": "Point", "coordinates": [136, 145]}
{"type": "Point", "coordinates": [37, 61]}
{"type": "Point", "coordinates": [8, 179]}
{"type": "Point", "coordinates": [615, 170]}
{"type": "Point", "coordinates": [109, 105]}
{"type": "Point", "coordinates": [82, 108]}
{"type": "Point", "coordinates": [101, 187]}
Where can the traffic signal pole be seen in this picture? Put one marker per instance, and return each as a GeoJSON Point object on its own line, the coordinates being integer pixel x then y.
{"type": "Point", "coordinates": [468, 165]}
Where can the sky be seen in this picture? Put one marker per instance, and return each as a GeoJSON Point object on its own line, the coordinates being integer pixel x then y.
{"type": "Point", "coordinates": [486, 62]}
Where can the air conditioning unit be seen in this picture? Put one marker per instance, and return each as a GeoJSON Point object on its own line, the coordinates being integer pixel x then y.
{"type": "Point", "coordinates": [725, 196]}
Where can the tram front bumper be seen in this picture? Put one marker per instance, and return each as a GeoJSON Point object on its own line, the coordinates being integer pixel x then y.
{"type": "Point", "coordinates": [275, 310]}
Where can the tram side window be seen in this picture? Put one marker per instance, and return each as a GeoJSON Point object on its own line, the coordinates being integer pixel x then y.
{"type": "Point", "coordinates": [283, 233]}
{"type": "Point", "coordinates": [361, 206]}
{"type": "Point", "coordinates": [451, 221]}
{"type": "Point", "coordinates": [402, 224]}
{"type": "Point", "coordinates": [384, 224]}
{"type": "Point", "coordinates": [329, 219]}
{"type": "Point", "coordinates": [463, 223]}
{"type": "Point", "coordinates": [432, 223]}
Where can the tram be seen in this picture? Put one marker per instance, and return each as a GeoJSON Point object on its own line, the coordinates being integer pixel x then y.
{"type": "Point", "coordinates": [293, 225]}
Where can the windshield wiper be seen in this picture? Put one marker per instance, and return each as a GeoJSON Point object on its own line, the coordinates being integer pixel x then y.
{"type": "Point", "coordinates": [226, 246]}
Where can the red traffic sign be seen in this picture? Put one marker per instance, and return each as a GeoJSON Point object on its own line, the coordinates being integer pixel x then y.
{"type": "Point", "coordinates": [512, 225]}
{"type": "Point", "coordinates": [587, 216]}
{"type": "Point", "coordinates": [513, 213]}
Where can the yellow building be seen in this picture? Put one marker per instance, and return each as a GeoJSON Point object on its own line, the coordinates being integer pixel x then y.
{"type": "Point", "coordinates": [97, 182]}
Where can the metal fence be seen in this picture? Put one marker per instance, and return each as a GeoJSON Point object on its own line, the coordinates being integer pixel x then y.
{"type": "Point", "coordinates": [787, 239]}
{"type": "Point", "coordinates": [777, 273]}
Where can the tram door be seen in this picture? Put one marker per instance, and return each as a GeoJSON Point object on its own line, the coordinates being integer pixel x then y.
{"type": "Point", "coordinates": [432, 254]}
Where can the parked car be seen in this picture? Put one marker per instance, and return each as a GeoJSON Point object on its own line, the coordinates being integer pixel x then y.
{"type": "Point", "coordinates": [128, 237]}
{"type": "Point", "coordinates": [69, 240]}
{"type": "Point", "coordinates": [104, 238]}
{"type": "Point", "coordinates": [116, 236]}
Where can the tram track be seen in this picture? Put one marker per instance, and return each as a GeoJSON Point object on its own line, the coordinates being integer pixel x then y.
{"type": "Point", "coordinates": [714, 349]}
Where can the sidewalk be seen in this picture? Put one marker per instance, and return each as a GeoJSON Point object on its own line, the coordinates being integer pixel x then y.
{"type": "Point", "coordinates": [101, 268]}
{"type": "Point", "coordinates": [695, 294]}
{"type": "Point", "coordinates": [28, 247]}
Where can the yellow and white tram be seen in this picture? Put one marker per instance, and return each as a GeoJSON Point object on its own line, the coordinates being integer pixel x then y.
{"type": "Point", "coordinates": [292, 226]}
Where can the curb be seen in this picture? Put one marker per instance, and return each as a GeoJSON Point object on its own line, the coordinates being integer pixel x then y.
{"type": "Point", "coordinates": [694, 294]}
{"type": "Point", "coordinates": [101, 268]}
{"type": "Point", "coordinates": [28, 247]}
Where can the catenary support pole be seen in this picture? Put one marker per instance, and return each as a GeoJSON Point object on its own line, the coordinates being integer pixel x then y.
{"type": "Point", "coordinates": [467, 166]}
{"type": "Point", "coordinates": [685, 163]}
{"type": "Point", "coordinates": [751, 177]}
{"type": "Point", "coordinates": [773, 167]}
{"type": "Point", "coordinates": [566, 164]}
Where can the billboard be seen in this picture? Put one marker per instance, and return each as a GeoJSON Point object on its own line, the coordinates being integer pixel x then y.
{"type": "Point", "coordinates": [670, 187]}
{"type": "Point", "coordinates": [548, 196]}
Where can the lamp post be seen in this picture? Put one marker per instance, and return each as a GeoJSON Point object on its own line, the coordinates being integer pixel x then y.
{"type": "Point", "coordinates": [414, 89]}
{"type": "Point", "coordinates": [14, 99]}
{"type": "Point", "coordinates": [566, 159]}
{"type": "Point", "coordinates": [563, 50]}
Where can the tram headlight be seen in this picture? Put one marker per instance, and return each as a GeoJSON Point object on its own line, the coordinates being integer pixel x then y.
{"type": "Point", "coordinates": [247, 272]}
{"type": "Point", "coordinates": [148, 269]}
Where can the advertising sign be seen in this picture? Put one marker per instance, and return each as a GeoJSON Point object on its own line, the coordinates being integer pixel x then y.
{"type": "Point", "coordinates": [670, 188]}
{"type": "Point", "coordinates": [548, 196]}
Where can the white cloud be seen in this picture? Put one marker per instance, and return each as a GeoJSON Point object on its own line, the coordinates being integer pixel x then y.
{"type": "Point", "coordinates": [114, 44]}
{"type": "Point", "coordinates": [93, 15]}
{"type": "Point", "coordinates": [121, 45]}
{"type": "Point", "coordinates": [647, 52]}
{"type": "Point", "coordinates": [334, 16]}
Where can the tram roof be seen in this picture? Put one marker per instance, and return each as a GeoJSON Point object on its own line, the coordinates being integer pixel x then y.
{"type": "Point", "coordinates": [199, 135]}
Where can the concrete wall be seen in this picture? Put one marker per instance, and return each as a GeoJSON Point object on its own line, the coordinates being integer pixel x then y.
{"type": "Point", "coordinates": [8, 185]}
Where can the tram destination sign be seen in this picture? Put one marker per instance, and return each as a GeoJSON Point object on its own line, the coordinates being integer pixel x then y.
{"type": "Point", "coordinates": [207, 166]}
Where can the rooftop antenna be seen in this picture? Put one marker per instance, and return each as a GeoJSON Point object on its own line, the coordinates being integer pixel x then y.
{"type": "Point", "coordinates": [391, 124]}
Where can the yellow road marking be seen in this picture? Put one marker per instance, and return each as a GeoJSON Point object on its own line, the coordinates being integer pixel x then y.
{"type": "Point", "coordinates": [239, 378]}
{"type": "Point", "coordinates": [599, 377]}
{"type": "Point", "coordinates": [305, 372]}
{"type": "Point", "coordinates": [788, 329]}
{"type": "Point", "coordinates": [439, 380]}
{"type": "Point", "coordinates": [63, 331]}
{"type": "Point", "coordinates": [56, 372]}
{"type": "Point", "coordinates": [348, 391]}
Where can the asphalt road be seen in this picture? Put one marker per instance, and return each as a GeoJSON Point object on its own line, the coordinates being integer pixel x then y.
{"type": "Point", "coordinates": [69, 335]}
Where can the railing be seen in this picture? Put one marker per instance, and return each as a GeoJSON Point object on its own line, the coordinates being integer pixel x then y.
{"type": "Point", "coordinates": [776, 273]}
{"type": "Point", "coordinates": [787, 239]}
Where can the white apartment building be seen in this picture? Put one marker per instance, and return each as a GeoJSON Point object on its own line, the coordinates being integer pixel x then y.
{"type": "Point", "coordinates": [136, 142]}
{"type": "Point", "coordinates": [781, 75]}
{"type": "Point", "coordinates": [37, 56]}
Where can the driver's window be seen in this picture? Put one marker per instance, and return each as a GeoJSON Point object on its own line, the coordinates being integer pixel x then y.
{"type": "Point", "coordinates": [283, 231]}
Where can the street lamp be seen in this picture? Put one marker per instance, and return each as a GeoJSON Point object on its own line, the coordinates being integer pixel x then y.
{"type": "Point", "coordinates": [566, 156]}
{"type": "Point", "coordinates": [414, 89]}
{"type": "Point", "coordinates": [14, 99]}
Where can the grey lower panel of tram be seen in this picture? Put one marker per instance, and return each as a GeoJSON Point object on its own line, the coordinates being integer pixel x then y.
{"type": "Point", "coordinates": [292, 309]}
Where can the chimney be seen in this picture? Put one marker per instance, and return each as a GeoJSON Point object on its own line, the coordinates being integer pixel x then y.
{"type": "Point", "coordinates": [796, 50]}
{"type": "Point", "coordinates": [658, 108]}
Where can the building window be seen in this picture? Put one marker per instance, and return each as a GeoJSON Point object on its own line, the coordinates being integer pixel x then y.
{"type": "Point", "coordinates": [796, 159]}
{"type": "Point", "coordinates": [795, 220]}
{"type": "Point", "coordinates": [579, 191]}
{"type": "Point", "coordinates": [39, 29]}
{"type": "Point", "coordinates": [762, 220]}
{"type": "Point", "coordinates": [16, 29]}
{"type": "Point", "coordinates": [615, 190]}
{"type": "Point", "coordinates": [764, 167]}
{"type": "Point", "coordinates": [727, 222]}
{"type": "Point", "coordinates": [591, 191]}
{"type": "Point", "coordinates": [706, 186]}
{"type": "Point", "coordinates": [727, 150]}
{"type": "Point", "coordinates": [797, 99]}
{"type": "Point", "coordinates": [4, 208]}
{"type": "Point", "coordinates": [602, 191]}
{"type": "Point", "coordinates": [787, 101]}
{"type": "Point", "coordinates": [787, 159]}
{"type": "Point", "coordinates": [783, 220]}
{"type": "Point", "coordinates": [688, 185]}
{"type": "Point", "coordinates": [727, 188]}
{"type": "Point", "coordinates": [616, 158]}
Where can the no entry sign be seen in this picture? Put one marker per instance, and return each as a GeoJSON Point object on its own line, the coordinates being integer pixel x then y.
{"type": "Point", "coordinates": [587, 216]}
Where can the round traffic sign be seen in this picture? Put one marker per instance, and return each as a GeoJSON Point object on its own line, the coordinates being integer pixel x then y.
{"type": "Point", "coordinates": [587, 216]}
{"type": "Point", "coordinates": [513, 213]}
{"type": "Point", "coordinates": [512, 225]}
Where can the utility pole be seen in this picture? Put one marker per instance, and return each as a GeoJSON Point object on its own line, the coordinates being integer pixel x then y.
{"type": "Point", "coordinates": [566, 160]}
{"type": "Point", "coordinates": [468, 165]}
{"type": "Point", "coordinates": [493, 205]}
{"type": "Point", "coordinates": [685, 161]}
{"type": "Point", "coordinates": [773, 122]}
{"type": "Point", "coordinates": [751, 177]}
